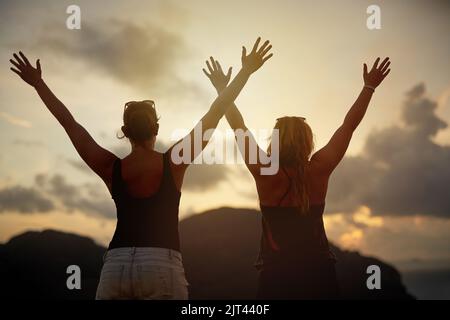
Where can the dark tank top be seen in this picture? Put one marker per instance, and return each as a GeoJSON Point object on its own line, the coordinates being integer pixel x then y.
{"type": "Point", "coordinates": [288, 235]}
{"type": "Point", "coordinates": [149, 221]}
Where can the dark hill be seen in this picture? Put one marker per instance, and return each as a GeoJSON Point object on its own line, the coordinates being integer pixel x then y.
{"type": "Point", "coordinates": [219, 249]}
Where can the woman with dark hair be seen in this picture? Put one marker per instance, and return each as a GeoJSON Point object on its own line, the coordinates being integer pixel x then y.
{"type": "Point", "coordinates": [295, 260]}
{"type": "Point", "coordinates": [143, 260]}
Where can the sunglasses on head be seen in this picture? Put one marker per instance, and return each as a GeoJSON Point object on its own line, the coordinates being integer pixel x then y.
{"type": "Point", "coordinates": [301, 118]}
{"type": "Point", "coordinates": [151, 102]}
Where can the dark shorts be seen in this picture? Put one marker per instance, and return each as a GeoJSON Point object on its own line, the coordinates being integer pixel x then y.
{"type": "Point", "coordinates": [289, 280]}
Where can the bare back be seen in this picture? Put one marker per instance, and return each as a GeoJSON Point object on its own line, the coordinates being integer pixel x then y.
{"type": "Point", "coordinates": [271, 196]}
{"type": "Point", "coordinates": [142, 173]}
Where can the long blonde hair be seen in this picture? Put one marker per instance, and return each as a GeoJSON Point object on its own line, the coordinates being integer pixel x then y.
{"type": "Point", "coordinates": [295, 146]}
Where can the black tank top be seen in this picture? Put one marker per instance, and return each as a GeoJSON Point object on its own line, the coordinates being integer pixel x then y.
{"type": "Point", "coordinates": [150, 221]}
{"type": "Point", "coordinates": [290, 235]}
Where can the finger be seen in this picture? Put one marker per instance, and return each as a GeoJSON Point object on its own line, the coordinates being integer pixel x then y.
{"type": "Point", "coordinates": [386, 73]}
{"type": "Point", "coordinates": [38, 65]}
{"type": "Point", "coordinates": [255, 46]}
{"type": "Point", "coordinates": [365, 69]}
{"type": "Point", "coordinates": [24, 58]}
{"type": "Point", "coordinates": [383, 63]}
{"type": "Point", "coordinates": [206, 73]}
{"type": "Point", "coordinates": [268, 57]}
{"type": "Point", "coordinates": [213, 63]}
{"type": "Point", "coordinates": [265, 44]}
{"type": "Point", "coordinates": [375, 64]}
{"type": "Point", "coordinates": [263, 56]}
{"type": "Point", "coordinates": [16, 71]}
{"type": "Point", "coordinates": [19, 60]}
{"type": "Point", "coordinates": [385, 67]}
{"type": "Point", "coordinates": [244, 52]}
{"type": "Point", "coordinates": [219, 67]}
{"type": "Point", "coordinates": [18, 66]}
{"type": "Point", "coordinates": [209, 67]}
{"type": "Point", "coordinates": [230, 69]}
{"type": "Point", "coordinates": [266, 50]}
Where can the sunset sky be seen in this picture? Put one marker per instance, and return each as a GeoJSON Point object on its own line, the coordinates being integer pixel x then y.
{"type": "Point", "coordinates": [388, 198]}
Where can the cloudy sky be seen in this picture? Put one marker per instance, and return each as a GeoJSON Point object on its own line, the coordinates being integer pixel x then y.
{"type": "Point", "coordinates": [388, 198]}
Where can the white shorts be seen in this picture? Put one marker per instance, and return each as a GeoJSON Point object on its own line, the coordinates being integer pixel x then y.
{"type": "Point", "coordinates": [142, 273]}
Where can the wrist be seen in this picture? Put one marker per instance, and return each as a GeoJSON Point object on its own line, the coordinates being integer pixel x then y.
{"type": "Point", "coordinates": [246, 71]}
{"type": "Point", "coordinates": [220, 89]}
{"type": "Point", "coordinates": [38, 82]}
{"type": "Point", "coordinates": [369, 87]}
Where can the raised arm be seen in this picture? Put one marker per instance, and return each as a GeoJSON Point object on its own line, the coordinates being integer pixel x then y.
{"type": "Point", "coordinates": [97, 158]}
{"type": "Point", "coordinates": [327, 158]}
{"type": "Point", "coordinates": [250, 63]}
{"type": "Point", "coordinates": [234, 117]}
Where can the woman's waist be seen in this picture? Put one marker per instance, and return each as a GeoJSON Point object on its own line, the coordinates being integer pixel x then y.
{"type": "Point", "coordinates": [145, 235]}
{"type": "Point", "coordinates": [147, 216]}
{"type": "Point", "coordinates": [145, 255]}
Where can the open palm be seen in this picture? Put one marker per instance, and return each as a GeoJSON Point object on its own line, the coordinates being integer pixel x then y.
{"type": "Point", "coordinates": [377, 74]}
{"type": "Point", "coordinates": [25, 70]}
{"type": "Point", "coordinates": [257, 57]}
{"type": "Point", "coordinates": [218, 78]}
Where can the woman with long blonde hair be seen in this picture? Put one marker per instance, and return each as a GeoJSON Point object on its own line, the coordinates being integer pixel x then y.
{"type": "Point", "coordinates": [295, 260]}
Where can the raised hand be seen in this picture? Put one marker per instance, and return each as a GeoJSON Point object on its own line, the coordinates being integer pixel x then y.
{"type": "Point", "coordinates": [216, 75]}
{"type": "Point", "coordinates": [25, 70]}
{"type": "Point", "coordinates": [377, 74]}
{"type": "Point", "coordinates": [257, 57]}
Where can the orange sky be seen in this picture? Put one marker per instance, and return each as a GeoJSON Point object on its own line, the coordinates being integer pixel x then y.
{"type": "Point", "coordinates": [316, 72]}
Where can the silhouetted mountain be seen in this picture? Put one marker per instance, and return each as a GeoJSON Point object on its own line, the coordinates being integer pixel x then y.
{"type": "Point", "coordinates": [33, 265]}
{"type": "Point", "coordinates": [219, 249]}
